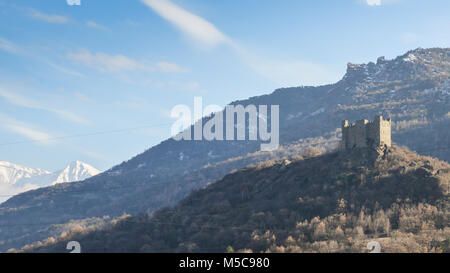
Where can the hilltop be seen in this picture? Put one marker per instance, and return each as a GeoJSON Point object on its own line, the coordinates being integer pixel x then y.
{"type": "Point", "coordinates": [413, 89]}
{"type": "Point", "coordinates": [333, 202]}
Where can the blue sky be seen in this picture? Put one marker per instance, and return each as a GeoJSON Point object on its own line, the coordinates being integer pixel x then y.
{"type": "Point", "coordinates": [108, 73]}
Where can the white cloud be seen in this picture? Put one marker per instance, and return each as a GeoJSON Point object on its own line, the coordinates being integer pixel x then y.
{"type": "Point", "coordinates": [68, 116]}
{"type": "Point", "coordinates": [104, 62]}
{"type": "Point", "coordinates": [18, 100]}
{"type": "Point", "coordinates": [49, 18]}
{"type": "Point", "coordinates": [170, 67]}
{"type": "Point", "coordinates": [93, 24]}
{"type": "Point", "coordinates": [82, 97]}
{"type": "Point", "coordinates": [74, 2]}
{"type": "Point", "coordinates": [9, 46]}
{"type": "Point", "coordinates": [377, 3]}
{"type": "Point", "coordinates": [291, 73]}
{"type": "Point", "coordinates": [65, 70]}
{"type": "Point", "coordinates": [24, 129]}
{"type": "Point", "coordinates": [21, 101]}
{"type": "Point", "coordinates": [28, 132]}
{"type": "Point", "coordinates": [194, 26]}
{"type": "Point", "coordinates": [373, 2]}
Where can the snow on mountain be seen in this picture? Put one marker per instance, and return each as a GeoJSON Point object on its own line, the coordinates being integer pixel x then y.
{"type": "Point", "coordinates": [15, 179]}
{"type": "Point", "coordinates": [11, 173]}
{"type": "Point", "coordinates": [410, 58]}
{"type": "Point", "coordinates": [76, 171]}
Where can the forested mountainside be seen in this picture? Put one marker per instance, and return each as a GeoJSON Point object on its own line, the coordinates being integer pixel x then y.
{"type": "Point", "coordinates": [412, 89]}
{"type": "Point", "coordinates": [336, 202]}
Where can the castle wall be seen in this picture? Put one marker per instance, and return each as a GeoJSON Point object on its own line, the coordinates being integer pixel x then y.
{"type": "Point", "coordinates": [364, 133]}
{"type": "Point", "coordinates": [385, 133]}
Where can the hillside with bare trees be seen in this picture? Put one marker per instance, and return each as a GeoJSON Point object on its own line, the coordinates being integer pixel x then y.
{"type": "Point", "coordinates": [335, 202]}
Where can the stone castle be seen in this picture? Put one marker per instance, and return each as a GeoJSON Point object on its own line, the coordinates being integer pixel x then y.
{"type": "Point", "coordinates": [366, 133]}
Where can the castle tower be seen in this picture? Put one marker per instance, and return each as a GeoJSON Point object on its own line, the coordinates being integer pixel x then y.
{"type": "Point", "coordinates": [366, 134]}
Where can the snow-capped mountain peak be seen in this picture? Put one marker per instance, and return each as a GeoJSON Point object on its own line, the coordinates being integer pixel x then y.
{"type": "Point", "coordinates": [11, 173]}
{"type": "Point", "coordinates": [76, 171]}
{"type": "Point", "coordinates": [15, 179]}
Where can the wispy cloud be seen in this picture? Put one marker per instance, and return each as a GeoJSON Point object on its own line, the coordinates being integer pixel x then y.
{"type": "Point", "coordinates": [170, 67]}
{"type": "Point", "coordinates": [95, 25]}
{"type": "Point", "coordinates": [293, 72]}
{"type": "Point", "coordinates": [22, 101]}
{"type": "Point", "coordinates": [24, 129]}
{"type": "Point", "coordinates": [28, 132]}
{"type": "Point", "coordinates": [18, 100]}
{"type": "Point", "coordinates": [68, 116]}
{"type": "Point", "coordinates": [377, 3]}
{"type": "Point", "coordinates": [82, 97]}
{"type": "Point", "coordinates": [13, 48]}
{"type": "Point", "coordinates": [104, 62]}
{"type": "Point", "coordinates": [49, 18]}
{"type": "Point", "coordinates": [373, 2]}
{"type": "Point", "coordinates": [8, 46]}
{"type": "Point", "coordinates": [194, 26]}
{"type": "Point", "coordinates": [65, 70]}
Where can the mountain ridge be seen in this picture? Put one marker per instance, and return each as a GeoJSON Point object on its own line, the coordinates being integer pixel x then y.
{"type": "Point", "coordinates": [75, 171]}
{"type": "Point", "coordinates": [10, 173]}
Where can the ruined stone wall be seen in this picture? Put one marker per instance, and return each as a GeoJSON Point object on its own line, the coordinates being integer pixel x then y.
{"type": "Point", "coordinates": [385, 133]}
{"type": "Point", "coordinates": [364, 133]}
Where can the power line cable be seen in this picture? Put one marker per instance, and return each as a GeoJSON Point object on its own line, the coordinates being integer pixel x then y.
{"type": "Point", "coordinates": [87, 134]}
